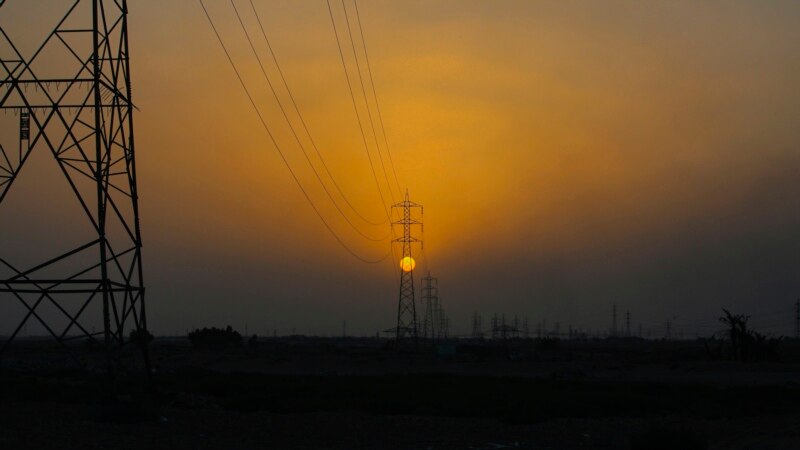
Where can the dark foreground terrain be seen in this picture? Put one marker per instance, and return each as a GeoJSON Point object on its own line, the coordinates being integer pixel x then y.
{"type": "Point", "coordinates": [354, 393]}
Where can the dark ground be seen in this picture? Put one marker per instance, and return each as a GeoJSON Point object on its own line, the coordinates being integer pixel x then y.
{"type": "Point", "coordinates": [353, 393]}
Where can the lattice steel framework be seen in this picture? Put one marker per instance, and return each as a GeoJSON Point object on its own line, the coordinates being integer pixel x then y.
{"type": "Point", "coordinates": [429, 296]}
{"type": "Point", "coordinates": [73, 95]}
{"type": "Point", "coordinates": [406, 308]}
{"type": "Point", "coordinates": [477, 326]}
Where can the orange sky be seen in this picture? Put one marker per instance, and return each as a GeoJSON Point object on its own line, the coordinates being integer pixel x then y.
{"type": "Point", "coordinates": [568, 154]}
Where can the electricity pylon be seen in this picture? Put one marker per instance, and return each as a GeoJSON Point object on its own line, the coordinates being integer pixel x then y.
{"type": "Point", "coordinates": [477, 328]}
{"type": "Point", "coordinates": [627, 324]}
{"type": "Point", "coordinates": [428, 297]}
{"type": "Point", "coordinates": [73, 96]}
{"type": "Point", "coordinates": [406, 308]}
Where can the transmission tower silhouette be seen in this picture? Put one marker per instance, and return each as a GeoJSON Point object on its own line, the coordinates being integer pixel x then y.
{"type": "Point", "coordinates": [627, 323]}
{"type": "Point", "coordinates": [406, 307]}
{"type": "Point", "coordinates": [477, 326]}
{"type": "Point", "coordinates": [428, 299]}
{"type": "Point", "coordinates": [73, 96]}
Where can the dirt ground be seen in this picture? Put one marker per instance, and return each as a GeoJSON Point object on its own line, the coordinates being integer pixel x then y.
{"type": "Point", "coordinates": [357, 395]}
{"type": "Point", "coordinates": [59, 426]}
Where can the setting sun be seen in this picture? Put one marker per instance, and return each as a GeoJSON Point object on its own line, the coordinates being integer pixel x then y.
{"type": "Point", "coordinates": [407, 264]}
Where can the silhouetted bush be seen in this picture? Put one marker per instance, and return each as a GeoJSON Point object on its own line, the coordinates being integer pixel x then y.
{"type": "Point", "coordinates": [215, 338]}
{"type": "Point", "coordinates": [140, 337]}
{"type": "Point", "coordinates": [253, 341]}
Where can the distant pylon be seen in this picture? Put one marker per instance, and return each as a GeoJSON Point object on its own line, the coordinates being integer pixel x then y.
{"type": "Point", "coordinates": [428, 319]}
{"type": "Point", "coordinates": [477, 329]}
{"type": "Point", "coordinates": [406, 308]}
{"type": "Point", "coordinates": [627, 323]}
{"type": "Point", "coordinates": [441, 320]}
{"type": "Point", "coordinates": [438, 313]}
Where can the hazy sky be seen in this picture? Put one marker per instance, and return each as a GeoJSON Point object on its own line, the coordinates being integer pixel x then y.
{"type": "Point", "coordinates": [570, 155]}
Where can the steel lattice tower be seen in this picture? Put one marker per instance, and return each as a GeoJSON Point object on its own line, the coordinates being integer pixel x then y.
{"type": "Point", "coordinates": [627, 324]}
{"type": "Point", "coordinates": [73, 94]}
{"type": "Point", "coordinates": [406, 308]}
{"type": "Point", "coordinates": [428, 297]}
{"type": "Point", "coordinates": [477, 328]}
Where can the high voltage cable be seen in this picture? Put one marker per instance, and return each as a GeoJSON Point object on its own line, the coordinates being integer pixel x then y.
{"type": "Point", "coordinates": [366, 102]}
{"type": "Point", "coordinates": [277, 147]}
{"type": "Point", "coordinates": [355, 107]}
{"type": "Point", "coordinates": [274, 57]}
{"type": "Point", "coordinates": [424, 258]}
{"type": "Point", "coordinates": [375, 95]}
{"type": "Point", "coordinates": [358, 116]}
{"type": "Point", "coordinates": [294, 133]}
{"type": "Point", "coordinates": [303, 122]}
{"type": "Point", "coordinates": [360, 125]}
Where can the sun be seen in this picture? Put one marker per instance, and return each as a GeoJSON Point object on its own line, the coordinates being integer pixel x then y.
{"type": "Point", "coordinates": [407, 264]}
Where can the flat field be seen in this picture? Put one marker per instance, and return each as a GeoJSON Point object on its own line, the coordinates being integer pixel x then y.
{"type": "Point", "coordinates": [348, 393]}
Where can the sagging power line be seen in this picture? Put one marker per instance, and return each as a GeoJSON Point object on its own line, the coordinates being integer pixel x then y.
{"type": "Point", "coordinates": [297, 138]}
{"type": "Point", "coordinates": [305, 125]}
{"type": "Point", "coordinates": [280, 151]}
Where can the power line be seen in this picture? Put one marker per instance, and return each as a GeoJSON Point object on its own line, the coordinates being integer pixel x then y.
{"type": "Point", "coordinates": [303, 122]}
{"type": "Point", "coordinates": [355, 107]}
{"type": "Point", "coordinates": [294, 133]}
{"type": "Point", "coordinates": [277, 147]}
{"type": "Point", "coordinates": [366, 100]}
{"type": "Point", "coordinates": [358, 118]}
{"type": "Point", "coordinates": [375, 95]}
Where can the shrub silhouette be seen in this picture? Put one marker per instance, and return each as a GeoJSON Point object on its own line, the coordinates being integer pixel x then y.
{"type": "Point", "coordinates": [215, 338]}
{"type": "Point", "coordinates": [140, 337]}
